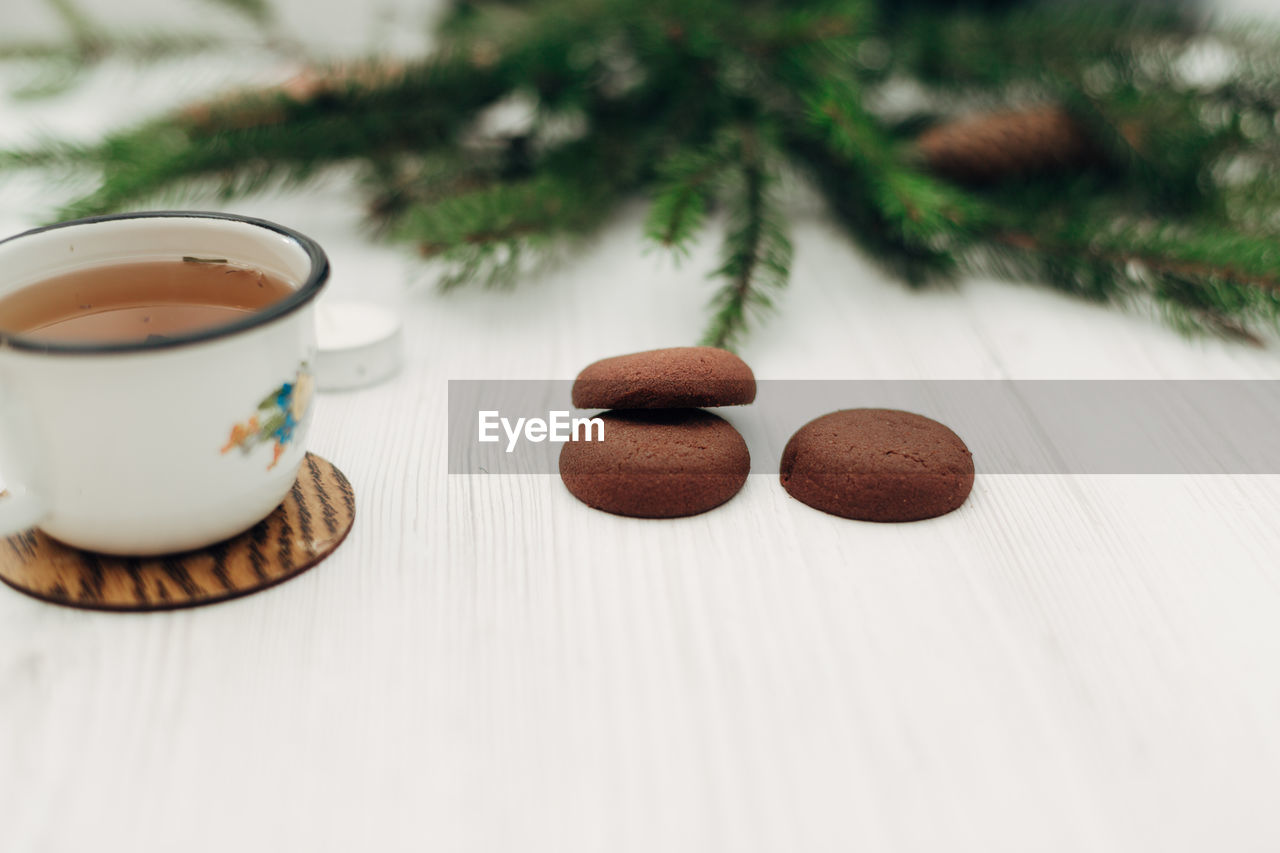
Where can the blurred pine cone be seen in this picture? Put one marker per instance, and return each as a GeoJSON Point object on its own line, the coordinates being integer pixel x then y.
{"type": "Point", "coordinates": [990, 147]}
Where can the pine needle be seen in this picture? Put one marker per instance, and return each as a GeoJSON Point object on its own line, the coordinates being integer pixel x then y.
{"type": "Point", "coordinates": [687, 183]}
{"type": "Point", "coordinates": [257, 11]}
{"type": "Point", "coordinates": [757, 251]}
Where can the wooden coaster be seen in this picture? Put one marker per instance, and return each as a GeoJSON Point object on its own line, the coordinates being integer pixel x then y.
{"type": "Point", "coordinates": [309, 525]}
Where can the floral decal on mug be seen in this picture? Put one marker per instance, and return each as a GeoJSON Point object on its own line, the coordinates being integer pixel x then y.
{"type": "Point", "coordinates": [277, 417]}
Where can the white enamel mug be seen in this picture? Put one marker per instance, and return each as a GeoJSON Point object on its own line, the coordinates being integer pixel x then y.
{"type": "Point", "coordinates": [156, 447]}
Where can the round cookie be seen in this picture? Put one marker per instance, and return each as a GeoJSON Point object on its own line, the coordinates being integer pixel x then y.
{"type": "Point", "coordinates": [675, 378]}
{"type": "Point", "coordinates": [657, 464]}
{"type": "Point", "coordinates": [877, 465]}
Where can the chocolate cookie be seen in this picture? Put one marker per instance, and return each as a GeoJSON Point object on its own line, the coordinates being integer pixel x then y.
{"type": "Point", "coordinates": [877, 465]}
{"type": "Point", "coordinates": [675, 378]}
{"type": "Point", "coordinates": [657, 464]}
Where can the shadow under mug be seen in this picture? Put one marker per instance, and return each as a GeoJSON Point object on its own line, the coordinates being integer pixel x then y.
{"type": "Point", "coordinates": [143, 448]}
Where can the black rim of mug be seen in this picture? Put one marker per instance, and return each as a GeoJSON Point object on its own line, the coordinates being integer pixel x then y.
{"type": "Point", "coordinates": [305, 293]}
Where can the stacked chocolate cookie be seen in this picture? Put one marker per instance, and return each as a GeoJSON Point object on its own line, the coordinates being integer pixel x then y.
{"type": "Point", "coordinates": [662, 456]}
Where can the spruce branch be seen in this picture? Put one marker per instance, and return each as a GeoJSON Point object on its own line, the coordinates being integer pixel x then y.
{"type": "Point", "coordinates": [687, 183]}
{"type": "Point", "coordinates": [971, 51]}
{"type": "Point", "coordinates": [1224, 284]}
{"type": "Point", "coordinates": [83, 31]}
{"type": "Point", "coordinates": [139, 47]}
{"type": "Point", "coordinates": [911, 221]}
{"type": "Point", "coordinates": [88, 42]}
{"type": "Point", "coordinates": [1252, 204]}
{"type": "Point", "coordinates": [757, 251]}
{"type": "Point", "coordinates": [1062, 143]}
{"type": "Point", "coordinates": [493, 232]}
{"type": "Point", "coordinates": [398, 183]}
{"type": "Point", "coordinates": [493, 235]}
{"type": "Point", "coordinates": [49, 154]}
{"type": "Point", "coordinates": [257, 11]}
{"type": "Point", "coordinates": [241, 144]}
{"type": "Point", "coordinates": [1157, 143]}
{"type": "Point", "coordinates": [501, 213]}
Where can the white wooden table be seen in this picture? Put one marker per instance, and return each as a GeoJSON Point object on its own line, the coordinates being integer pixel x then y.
{"type": "Point", "coordinates": [1067, 664]}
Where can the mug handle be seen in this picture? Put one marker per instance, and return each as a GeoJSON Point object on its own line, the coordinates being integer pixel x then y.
{"type": "Point", "coordinates": [22, 507]}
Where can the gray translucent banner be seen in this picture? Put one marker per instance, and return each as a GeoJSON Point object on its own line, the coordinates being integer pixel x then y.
{"type": "Point", "coordinates": [1012, 427]}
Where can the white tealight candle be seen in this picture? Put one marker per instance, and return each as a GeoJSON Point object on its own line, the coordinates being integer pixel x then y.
{"type": "Point", "coordinates": [359, 344]}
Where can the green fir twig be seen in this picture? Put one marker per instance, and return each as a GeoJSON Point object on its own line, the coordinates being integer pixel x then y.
{"type": "Point", "coordinates": [701, 106]}
{"type": "Point", "coordinates": [757, 251]}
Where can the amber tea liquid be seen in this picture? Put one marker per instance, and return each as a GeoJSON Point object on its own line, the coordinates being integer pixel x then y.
{"type": "Point", "coordinates": [139, 301]}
